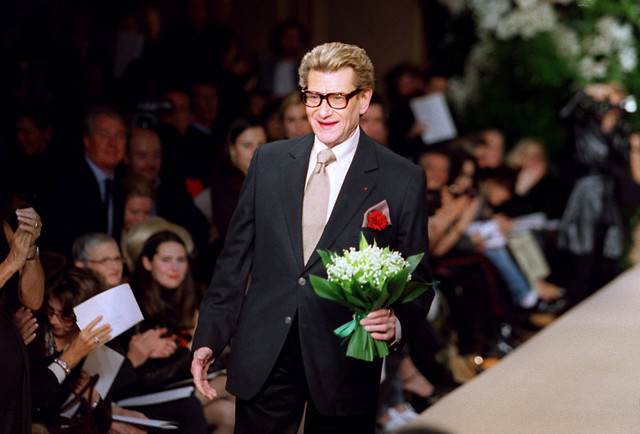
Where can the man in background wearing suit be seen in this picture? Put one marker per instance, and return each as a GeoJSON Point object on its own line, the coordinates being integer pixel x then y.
{"type": "Point", "coordinates": [87, 195]}
{"type": "Point", "coordinates": [284, 353]}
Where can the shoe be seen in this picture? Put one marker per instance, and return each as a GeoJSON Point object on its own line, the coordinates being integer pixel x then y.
{"type": "Point", "coordinates": [550, 306]}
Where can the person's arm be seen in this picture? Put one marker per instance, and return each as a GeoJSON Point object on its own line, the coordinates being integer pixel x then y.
{"type": "Point", "coordinates": [456, 230]}
{"type": "Point", "coordinates": [634, 156]}
{"type": "Point", "coordinates": [31, 285]}
{"type": "Point", "coordinates": [221, 304]}
{"type": "Point", "coordinates": [17, 256]}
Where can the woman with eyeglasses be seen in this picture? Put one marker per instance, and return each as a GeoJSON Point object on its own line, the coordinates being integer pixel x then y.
{"type": "Point", "coordinates": [21, 290]}
{"type": "Point", "coordinates": [60, 347]}
{"type": "Point", "coordinates": [100, 253]}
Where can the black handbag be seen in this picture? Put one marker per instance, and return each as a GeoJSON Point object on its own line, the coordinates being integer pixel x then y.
{"type": "Point", "coordinates": [85, 420]}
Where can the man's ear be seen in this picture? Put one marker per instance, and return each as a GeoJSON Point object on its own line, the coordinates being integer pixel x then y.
{"type": "Point", "coordinates": [365, 100]}
{"type": "Point", "coordinates": [79, 264]}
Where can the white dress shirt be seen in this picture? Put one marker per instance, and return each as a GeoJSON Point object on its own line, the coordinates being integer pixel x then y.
{"type": "Point", "coordinates": [337, 170]}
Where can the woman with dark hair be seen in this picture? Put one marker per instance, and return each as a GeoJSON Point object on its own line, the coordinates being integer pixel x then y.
{"type": "Point", "coordinates": [169, 299]}
{"type": "Point", "coordinates": [245, 135]}
{"type": "Point", "coordinates": [59, 349]}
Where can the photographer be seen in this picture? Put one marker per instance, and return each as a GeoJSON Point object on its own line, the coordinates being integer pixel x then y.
{"type": "Point", "coordinates": [591, 229]}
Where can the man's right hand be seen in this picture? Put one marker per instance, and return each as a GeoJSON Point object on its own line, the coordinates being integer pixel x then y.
{"type": "Point", "coordinates": [202, 359]}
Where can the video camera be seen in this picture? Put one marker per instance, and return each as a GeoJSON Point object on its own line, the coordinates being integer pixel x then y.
{"type": "Point", "coordinates": [628, 105]}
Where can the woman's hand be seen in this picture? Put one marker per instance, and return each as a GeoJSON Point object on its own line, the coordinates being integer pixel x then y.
{"type": "Point", "coordinates": [161, 347]}
{"type": "Point", "coordinates": [88, 339]}
{"type": "Point", "coordinates": [150, 344]}
{"type": "Point", "coordinates": [29, 221]}
{"type": "Point", "coordinates": [19, 249]}
{"type": "Point", "coordinates": [26, 324]}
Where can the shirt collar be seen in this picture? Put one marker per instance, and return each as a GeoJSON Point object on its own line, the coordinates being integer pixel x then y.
{"type": "Point", "coordinates": [344, 152]}
{"type": "Point", "coordinates": [97, 172]}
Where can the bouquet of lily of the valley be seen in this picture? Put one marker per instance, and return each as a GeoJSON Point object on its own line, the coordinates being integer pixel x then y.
{"type": "Point", "coordinates": [364, 280]}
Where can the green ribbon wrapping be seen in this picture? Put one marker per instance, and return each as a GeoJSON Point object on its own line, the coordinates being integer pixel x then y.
{"type": "Point", "coordinates": [361, 345]}
{"type": "Point", "coordinates": [346, 329]}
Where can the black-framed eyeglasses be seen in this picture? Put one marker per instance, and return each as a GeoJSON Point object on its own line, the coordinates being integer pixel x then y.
{"type": "Point", "coordinates": [335, 100]}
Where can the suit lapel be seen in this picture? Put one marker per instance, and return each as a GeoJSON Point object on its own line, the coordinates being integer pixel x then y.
{"type": "Point", "coordinates": [357, 186]}
{"type": "Point", "coordinates": [292, 179]}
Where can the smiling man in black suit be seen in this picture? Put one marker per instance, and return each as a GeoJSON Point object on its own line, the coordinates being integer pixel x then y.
{"type": "Point", "coordinates": [300, 195]}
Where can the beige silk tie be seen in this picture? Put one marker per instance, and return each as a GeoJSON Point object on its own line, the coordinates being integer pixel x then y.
{"type": "Point", "coordinates": [315, 203]}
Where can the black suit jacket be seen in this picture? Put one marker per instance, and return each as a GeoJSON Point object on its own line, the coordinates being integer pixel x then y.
{"type": "Point", "coordinates": [74, 207]}
{"type": "Point", "coordinates": [265, 240]}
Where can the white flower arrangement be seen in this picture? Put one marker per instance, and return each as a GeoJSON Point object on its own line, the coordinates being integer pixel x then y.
{"type": "Point", "coordinates": [372, 265]}
{"type": "Point", "coordinates": [603, 47]}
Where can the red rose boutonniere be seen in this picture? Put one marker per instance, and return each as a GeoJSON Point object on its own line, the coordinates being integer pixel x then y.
{"type": "Point", "coordinates": [377, 221]}
{"type": "Point", "coordinates": [377, 217]}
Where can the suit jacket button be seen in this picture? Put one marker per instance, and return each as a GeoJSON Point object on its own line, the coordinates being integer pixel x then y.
{"type": "Point", "coordinates": [302, 281]}
{"type": "Point", "coordinates": [287, 320]}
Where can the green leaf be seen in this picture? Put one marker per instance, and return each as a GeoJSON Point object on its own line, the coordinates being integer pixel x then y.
{"type": "Point", "coordinates": [360, 345]}
{"type": "Point", "coordinates": [328, 290]}
{"type": "Point", "coordinates": [414, 261]}
{"type": "Point", "coordinates": [363, 242]}
{"type": "Point", "coordinates": [397, 285]}
{"type": "Point", "coordinates": [413, 290]}
{"type": "Point", "coordinates": [382, 349]}
{"type": "Point", "coordinates": [326, 257]}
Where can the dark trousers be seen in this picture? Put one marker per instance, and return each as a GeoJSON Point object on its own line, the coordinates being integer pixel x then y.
{"type": "Point", "coordinates": [279, 406]}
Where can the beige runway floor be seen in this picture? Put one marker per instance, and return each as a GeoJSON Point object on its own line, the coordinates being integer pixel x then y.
{"type": "Point", "coordinates": [580, 374]}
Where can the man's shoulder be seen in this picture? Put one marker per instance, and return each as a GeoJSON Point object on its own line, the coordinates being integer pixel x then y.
{"type": "Point", "coordinates": [280, 148]}
{"type": "Point", "coordinates": [392, 161]}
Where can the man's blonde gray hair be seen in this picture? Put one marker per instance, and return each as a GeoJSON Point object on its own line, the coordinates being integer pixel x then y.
{"type": "Point", "coordinates": [332, 57]}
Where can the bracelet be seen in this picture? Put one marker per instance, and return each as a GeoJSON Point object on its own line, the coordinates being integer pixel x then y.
{"type": "Point", "coordinates": [634, 149]}
{"type": "Point", "coordinates": [35, 256]}
{"type": "Point", "coordinates": [63, 365]}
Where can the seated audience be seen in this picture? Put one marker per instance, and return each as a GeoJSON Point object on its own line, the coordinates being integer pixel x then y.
{"type": "Point", "coordinates": [204, 139]}
{"type": "Point", "coordinates": [505, 206]}
{"type": "Point", "coordinates": [294, 116]}
{"type": "Point", "coordinates": [476, 308]}
{"type": "Point", "coordinates": [489, 148]}
{"type": "Point", "coordinates": [31, 163]}
{"type": "Point", "coordinates": [172, 200]}
{"type": "Point", "coordinates": [139, 199]}
{"type": "Point", "coordinates": [537, 187]}
{"type": "Point", "coordinates": [374, 122]}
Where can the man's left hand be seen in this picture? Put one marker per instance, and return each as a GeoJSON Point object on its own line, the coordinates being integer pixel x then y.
{"type": "Point", "coordinates": [381, 324]}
